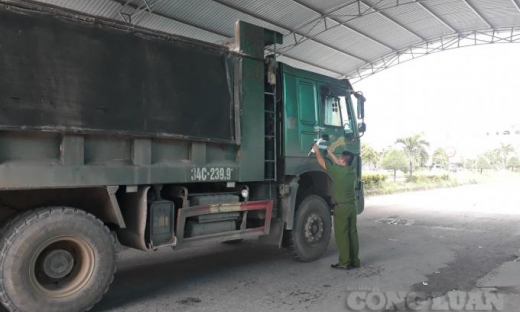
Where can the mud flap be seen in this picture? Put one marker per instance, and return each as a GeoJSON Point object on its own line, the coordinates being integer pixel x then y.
{"type": "Point", "coordinates": [275, 235]}
{"type": "Point", "coordinates": [360, 197]}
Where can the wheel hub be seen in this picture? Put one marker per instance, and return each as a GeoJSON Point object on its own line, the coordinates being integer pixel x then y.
{"type": "Point", "coordinates": [62, 266]}
{"type": "Point", "coordinates": [313, 228]}
{"type": "Point", "coordinates": [58, 263]}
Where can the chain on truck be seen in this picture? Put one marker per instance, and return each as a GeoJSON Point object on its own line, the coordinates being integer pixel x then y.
{"type": "Point", "coordinates": [111, 132]}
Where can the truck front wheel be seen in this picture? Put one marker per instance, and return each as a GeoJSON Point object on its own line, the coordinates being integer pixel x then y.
{"type": "Point", "coordinates": [55, 259]}
{"type": "Point", "coordinates": [312, 229]}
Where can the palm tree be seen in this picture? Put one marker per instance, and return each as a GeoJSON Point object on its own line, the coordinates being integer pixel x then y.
{"type": "Point", "coordinates": [414, 148]}
{"type": "Point", "coordinates": [505, 150]}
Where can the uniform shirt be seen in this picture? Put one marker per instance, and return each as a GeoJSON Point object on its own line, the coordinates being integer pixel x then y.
{"type": "Point", "coordinates": [344, 182]}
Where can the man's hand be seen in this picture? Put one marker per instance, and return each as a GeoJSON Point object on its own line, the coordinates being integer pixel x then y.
{"type": "Point", "coordinates": [331, 154]}
{"type": "Point", "coordinates": [319, 157]}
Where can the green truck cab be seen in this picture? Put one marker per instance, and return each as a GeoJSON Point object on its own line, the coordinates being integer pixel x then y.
{"type": "Point", "coordinates": [110, 131]}
{"type": "Point", "coordinates": [317, 106]}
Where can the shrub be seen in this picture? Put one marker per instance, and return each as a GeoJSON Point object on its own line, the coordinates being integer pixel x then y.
{"type": "Point", "coordinates": [417, 179]}
{"type": "Point", "coordinates": [371, 180]}
{"type": "Point", "coordinates": [428, 178]}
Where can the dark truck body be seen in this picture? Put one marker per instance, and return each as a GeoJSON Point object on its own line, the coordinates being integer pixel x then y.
{"type": "Point", "coordinates": [105, 86]}
{"type": "Point", "coordinates": [168, 141]}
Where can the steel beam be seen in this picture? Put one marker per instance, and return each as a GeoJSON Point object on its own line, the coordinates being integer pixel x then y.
{"type": "Point", "coordinates": [238, 9]}
{"type": "Point", "coordinates": [123, 3]}
{"type": "Point", "coordinates": [371, 10]}
{"type": "Point", "coordinates": [516, 4]}
{"type": "Point", "coordinates": [397, 23]}
{"type": "Point", "coordinates": [452, 41]}
{"type": "Point", "coordinates": [231, 36]}
{"type": "Point", "coordinates": [342, 24]}
{"type": "Point", "coordinates": [138, 10]}
{"type": "Point", "coordinates": [449, 42]}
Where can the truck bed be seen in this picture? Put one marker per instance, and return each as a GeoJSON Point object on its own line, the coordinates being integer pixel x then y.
{"type": "Point", "coordinates": [77, 75]}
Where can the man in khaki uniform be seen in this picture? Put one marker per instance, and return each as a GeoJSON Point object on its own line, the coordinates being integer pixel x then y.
{"type": "Point", "coordinates": [345, 213]}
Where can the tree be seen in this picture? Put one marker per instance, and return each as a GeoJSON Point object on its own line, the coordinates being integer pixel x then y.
{"type": "Point", "coordinates": [441, 158]}
{"type": "Point", "coordinates": [494, 158]}
{"type": "Point", "coordinates": [482, 163]}
{"type": "Point", "coordinates": [369, 155]}
{"type": "Point", "coordinates": [394, 160]}
{"type": "Point", "coordinates": [505, 150]}
{"type": "Point", "coordinates": [470, 164]}
{"type": "Point", "coordinates": [423, 158]}
{"type": "Point", "coordinates": [414, 148]}
{"type": "Point", "coordinates": [513, 162]}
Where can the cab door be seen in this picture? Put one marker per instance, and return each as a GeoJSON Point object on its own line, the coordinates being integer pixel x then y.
{"type": "Point", "coordinates": [338, 126]}
{"type": "Point", "coordinates": [307, 113]}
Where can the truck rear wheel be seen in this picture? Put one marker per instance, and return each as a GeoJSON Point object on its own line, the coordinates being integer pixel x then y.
{"type": "Point", "coordinates": [312, 229]}
{"type": "Point", "coordinates": [55, 259]}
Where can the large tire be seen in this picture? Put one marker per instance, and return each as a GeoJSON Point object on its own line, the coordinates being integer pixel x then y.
{"type": "Point", "coordinates": [55, 259]}
{"type": "Point", "coordinates": [312, 229]}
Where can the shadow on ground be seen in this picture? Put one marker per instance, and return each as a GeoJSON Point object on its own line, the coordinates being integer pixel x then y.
{"type": "Point", "coordinates": [136, 283]}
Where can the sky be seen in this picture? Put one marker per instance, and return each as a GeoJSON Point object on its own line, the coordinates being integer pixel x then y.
{"type": "Point", "coordinates": [454, 97]}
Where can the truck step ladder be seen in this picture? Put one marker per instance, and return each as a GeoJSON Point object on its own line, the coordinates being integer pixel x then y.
{"type": "Point", "coordinates": [270, 132]}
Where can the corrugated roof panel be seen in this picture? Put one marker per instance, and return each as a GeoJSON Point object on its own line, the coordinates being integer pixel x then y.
{"type": "Point", "coordinates": [327, 6]}
{"type": "Point", "coordinates": [343, 39]}
{"type": "Point", "coordinates": [209, 14]}
{"type": "Point", "coordinates": [457, 13]}
{"type": "Point", "coordinates": [377, 26]}
{"type": "Point", "coordinates": [418, 19]}
{"type": "Point", "coordinates": [353, 42]}
{"type": "Point", "coordinates": [181, 29]}
{"type": "Point", "coordinates": [287, 13]}
{"type": "Point", "coordinates": [104, 8]}
{"type": "Point", "coordinates": [335, 49]}
{"type": "Point", "coordinates": [501, 13]}
{"type": "Point", "coordinates": [313, 31]}
{"type": "Point", "coordinates": [313, 53]}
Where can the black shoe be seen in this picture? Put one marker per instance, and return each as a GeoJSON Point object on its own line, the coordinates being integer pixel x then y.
{"type": "Point", "coordinates": [355, 263]}
{"type": "Point", "coordinates": [340, 266]}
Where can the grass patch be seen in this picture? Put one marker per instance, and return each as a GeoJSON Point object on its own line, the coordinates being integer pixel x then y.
{"type": "Point", "coordinates": [419, 182]}
{"type": "Point", "coordinates": [386, 188]}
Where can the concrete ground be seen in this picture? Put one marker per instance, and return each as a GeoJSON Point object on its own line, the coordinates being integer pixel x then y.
{"type": "Point", "coordinates": [433, 242]}
{"type": "Point", "coordinates": [464, 238]}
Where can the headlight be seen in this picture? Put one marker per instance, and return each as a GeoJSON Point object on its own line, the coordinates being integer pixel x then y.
{"type": "Point", "coordinates": [245, 193]}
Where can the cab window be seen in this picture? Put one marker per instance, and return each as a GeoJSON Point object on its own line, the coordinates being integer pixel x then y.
{"type": "Point", "coordinates": [332, 111]}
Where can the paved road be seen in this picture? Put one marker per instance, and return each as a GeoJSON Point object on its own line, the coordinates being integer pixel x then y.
{"type": "Point", "coordinates": [433, 241]}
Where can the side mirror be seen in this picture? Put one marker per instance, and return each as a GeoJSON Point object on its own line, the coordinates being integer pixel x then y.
{"type": "Point", "coordinates": [347, 128]}
{"type": "Point", "coordinates": [360, 105]}
{"type": "Point", "coordinates": [362, 127]}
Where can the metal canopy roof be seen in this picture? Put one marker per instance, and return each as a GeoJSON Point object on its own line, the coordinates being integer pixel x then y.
{"type": "Point", "coordinates": [339, 38]}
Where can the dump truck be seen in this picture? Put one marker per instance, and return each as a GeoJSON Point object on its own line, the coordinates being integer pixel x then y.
{"type": "Point", "coordinates": [115, 134]}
